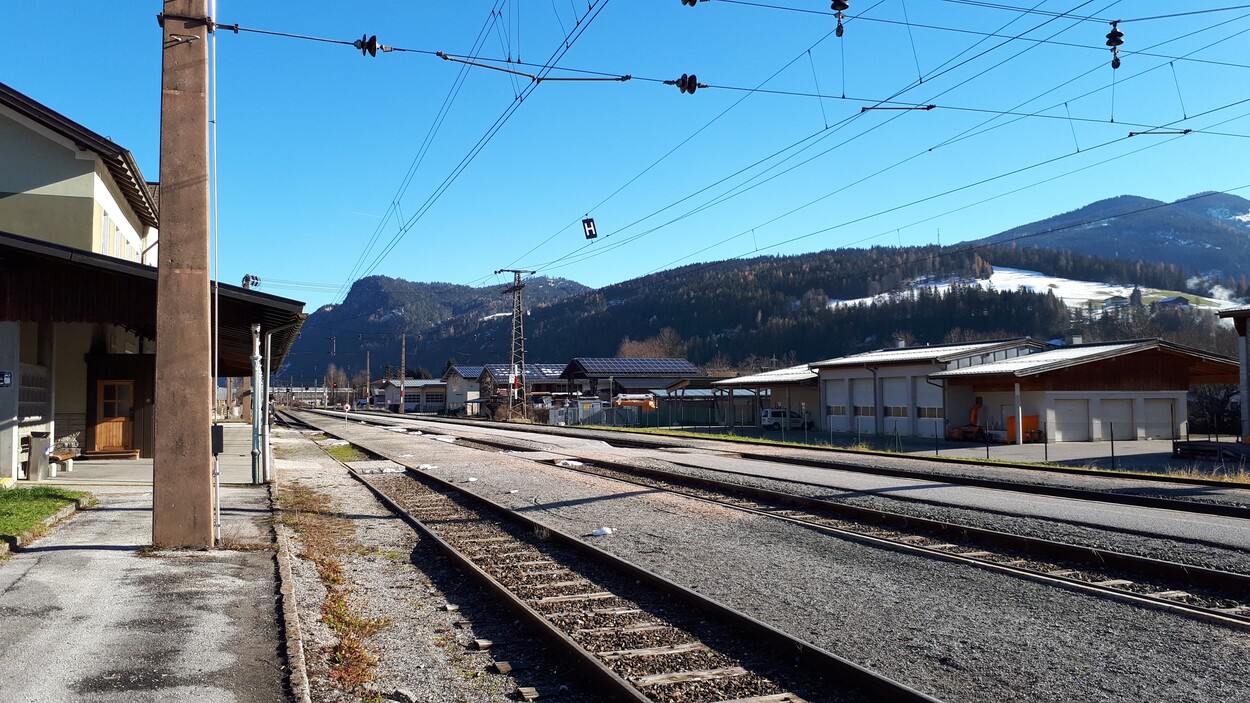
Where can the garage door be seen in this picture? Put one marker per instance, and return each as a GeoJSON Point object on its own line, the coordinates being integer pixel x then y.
{"type": "Point", "coordinates": [1159, 418]}
{"type": "Point", "coordinates": [1071, 420]}
{"type": "Point", "coordinates": [1117, 419]}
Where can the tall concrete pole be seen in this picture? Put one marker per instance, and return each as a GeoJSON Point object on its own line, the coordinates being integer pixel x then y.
{"type": "Point", "coordinates": [403, 370]}
{"type": "Point", "coordinates": [182, 499]}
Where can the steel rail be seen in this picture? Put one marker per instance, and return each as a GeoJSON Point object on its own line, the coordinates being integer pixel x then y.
{"type": "Point", "coordinates": [645, 442]}
{"type": "Point", "coordinates": [1177, 573]}
{"type": "Point", "coordinates": [805, 654]}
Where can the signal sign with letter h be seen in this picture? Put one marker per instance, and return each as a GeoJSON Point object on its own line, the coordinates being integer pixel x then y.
{"type": "Point", "coordinates": [588, 225]}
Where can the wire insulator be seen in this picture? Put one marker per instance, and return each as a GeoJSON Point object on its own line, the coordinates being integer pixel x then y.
{"type": "Point", "coordinates": [1115, 39]}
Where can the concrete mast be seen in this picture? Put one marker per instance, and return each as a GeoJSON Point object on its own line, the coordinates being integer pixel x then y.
{"type": "Point", "coordinates": [182, 500]}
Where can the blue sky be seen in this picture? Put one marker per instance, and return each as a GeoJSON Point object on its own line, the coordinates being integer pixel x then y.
{"type": "Point", "coordinates": [314, 140]}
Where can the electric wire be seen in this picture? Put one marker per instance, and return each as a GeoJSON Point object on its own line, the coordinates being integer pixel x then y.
{"type": "Point", "coordinates": [595, 8]}
{"type": "Point", "coordinates": [942, 194]}
{"type": "Point", "coordinates": [944, 68]}
{"type": "Point", "coordinates": [415, 164]}
{"type": "Point", "coordinates": [548, 268]}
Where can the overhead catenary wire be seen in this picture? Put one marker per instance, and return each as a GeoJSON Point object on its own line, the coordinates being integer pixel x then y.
{"type": "Point", "coordinates": [932, 197]}
{"type": "Point", "coordinates": [946, 67]}
{"type": "Point", "coordinates": [595, 8]}
{"type": "Point", "coordinates": [1009, 113]}
{"type": "Point", "coordinates": [546, 267]}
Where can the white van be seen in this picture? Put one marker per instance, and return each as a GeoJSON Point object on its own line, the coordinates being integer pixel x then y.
{"type": "Point", "coordinates": [774, 418]}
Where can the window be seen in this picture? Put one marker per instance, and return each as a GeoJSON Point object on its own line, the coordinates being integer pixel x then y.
{"type": "Point", "coordinates": [864, 411]}
{"type": "Point", "coordinates": [105, 240]}
{"type": "Point", "coordinates": [929, 413]}
{"type": "Point", "coordinates": [839, 410]}
{"type": "Point", "coordinates": [435, 397]}
{"type": "Point", "coordinates": [895, 411]}
{"type": "Point", "coordinates": [410, 397]}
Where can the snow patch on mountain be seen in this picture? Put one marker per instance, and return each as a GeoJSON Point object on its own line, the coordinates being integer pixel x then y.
{"type": "Point", "coordinates": [1072, 292]}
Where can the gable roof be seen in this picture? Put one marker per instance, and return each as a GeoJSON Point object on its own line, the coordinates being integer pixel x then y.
{"type": "Point", "coordinates": [468, 372]}
{"type": "Point", "coordinates": [102, 289]}
{"type": "Point", "coordinates": [415, 382]}
{"type": "Point", "coordinates": [1206, 364]}
{"type": "Point", "coordinates": [120, 162]}
{"type": "Point", "coordinates": [794, 374]}
{"type": "Point", "coordinates": [933, 354]}
{"type": "Point", "coordinates": [534, 373]}
{"type": "Point", "coordinates": [603, 367]}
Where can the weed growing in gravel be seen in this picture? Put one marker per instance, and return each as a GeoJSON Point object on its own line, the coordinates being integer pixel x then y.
{"type": "Point", "coordinates": [346, 453]}
{"type": "Point", "coordinates": [326, 533]}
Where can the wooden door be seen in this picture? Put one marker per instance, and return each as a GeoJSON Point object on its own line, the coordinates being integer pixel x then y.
{"type": "Point", "coordinates": [115, 424]}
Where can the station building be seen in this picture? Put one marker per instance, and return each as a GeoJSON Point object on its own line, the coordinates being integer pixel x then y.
{"type": "Point", "coordinates": [78, 253]}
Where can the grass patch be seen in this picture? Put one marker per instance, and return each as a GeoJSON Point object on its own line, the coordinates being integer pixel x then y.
{"type": "Point", "coordinates": [346, 453]}
{"type": "Point", "coordinates": [23, 509]}
{"type": "Point", "coordinates": [325, 533]}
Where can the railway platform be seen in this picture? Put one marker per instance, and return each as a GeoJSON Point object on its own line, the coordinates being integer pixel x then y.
{"type": "Point", "coordinates": [91, 612]}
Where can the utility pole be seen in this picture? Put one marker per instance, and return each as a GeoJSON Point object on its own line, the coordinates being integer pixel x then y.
{"type": "Point", "coordinates": [403, 369]}
{"type": "Point", "coordinates": [182, 483]}
{"type": "Point", "coordinates": [368, 381]}
{"type": "Point", "coordinates": [517, 403]}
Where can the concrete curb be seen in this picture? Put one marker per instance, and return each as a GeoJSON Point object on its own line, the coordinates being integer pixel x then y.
{"type": "Point", "coordinates": [290, 614]}
{"type": "Point", "coordinates": [16, 542]}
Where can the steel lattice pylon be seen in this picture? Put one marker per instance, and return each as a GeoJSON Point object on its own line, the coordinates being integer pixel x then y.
{"type": "Point", "coordinates": [517, 405]}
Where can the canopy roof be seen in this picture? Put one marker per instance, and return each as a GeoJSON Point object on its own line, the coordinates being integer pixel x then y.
{"type": "Point", "coordinates": [44, 282]}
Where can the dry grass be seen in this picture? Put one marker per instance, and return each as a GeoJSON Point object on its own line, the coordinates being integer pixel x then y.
{"type": "Point", "coordinates": [325, 533]}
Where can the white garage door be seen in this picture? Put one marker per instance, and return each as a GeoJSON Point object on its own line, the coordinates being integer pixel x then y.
{"type": "Point", "coordinates": [1071, 420]}
{"type": "Point", "coordinates": [1159, 423]}
{"type": "Point", "coordinates": [1117, 419]}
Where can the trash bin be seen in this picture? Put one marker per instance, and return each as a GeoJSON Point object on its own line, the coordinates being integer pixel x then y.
{"type": "Point", "coordinates": [40, 448]}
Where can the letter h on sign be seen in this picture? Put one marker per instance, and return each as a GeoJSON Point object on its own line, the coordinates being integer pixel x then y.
{"type": "Point", "coordinates": [588, 224]}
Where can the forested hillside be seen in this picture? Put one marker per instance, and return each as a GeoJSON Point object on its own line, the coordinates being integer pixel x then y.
{"type": "Point", "coordinates": [738, 312]}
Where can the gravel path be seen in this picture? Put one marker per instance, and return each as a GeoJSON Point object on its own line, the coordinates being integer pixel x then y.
{"type": "Point", "coordinates": [958, 633]}
{"type": "Point", "coordinates": [952, 469]}
{"type": "Point", "coordinates": [426, 651]}
{"type": "Point", "coordinates": [1073, 532]}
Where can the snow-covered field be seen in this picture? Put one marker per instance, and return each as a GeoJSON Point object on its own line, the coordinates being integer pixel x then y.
{"type": "Point", "coordinates": [1073, 293]}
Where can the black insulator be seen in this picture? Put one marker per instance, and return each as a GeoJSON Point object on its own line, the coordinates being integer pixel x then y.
{"type": "Point", "coordinates": [1115, 62]}
{"type": "Point", "coordinates": [839, 5]}
{"type": "Point", "coordinates": [367, 45]}
{"type": "Point", "coordinates": [688, 83]}
{"type": "Point", "coordinates": [838, 31]}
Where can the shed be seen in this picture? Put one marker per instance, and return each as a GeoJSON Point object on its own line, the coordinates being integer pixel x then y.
{"type": "Point", "coordinates": [462, 385]}
{"type": "Point", "coordinates": [888, 391]}
{"type": "Point", "coordinates": [1088, 392]}
{"type": "Point", "coordinates": [603, 376]}
{"type": "Point", "coordinates": [796, 388]}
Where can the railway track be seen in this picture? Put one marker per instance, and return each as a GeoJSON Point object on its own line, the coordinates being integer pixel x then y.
{"type": "Point", "coordinates": [1208, 594]}
{"type": "Point", "coordinates": [638, 636]}
{"type": "Point", "coordinates": [1136, 499]}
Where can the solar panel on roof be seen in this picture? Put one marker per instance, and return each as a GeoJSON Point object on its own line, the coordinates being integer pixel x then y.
{"type": "Point", "coordinates": [639, 367]}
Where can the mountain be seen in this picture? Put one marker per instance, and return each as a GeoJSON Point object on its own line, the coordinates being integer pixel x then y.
{"type": "Point", "coordinates": [1206, 234]}
{"type": "Point", "coordinates": [378, 308]}
{"type": "Point", "coordinates": [740, 311]}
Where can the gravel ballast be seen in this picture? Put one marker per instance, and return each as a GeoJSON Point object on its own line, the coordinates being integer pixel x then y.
{"type": "Point", "coordinates": [958, 633]}
{"type": "Point", "coordinates": [426, 651]}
